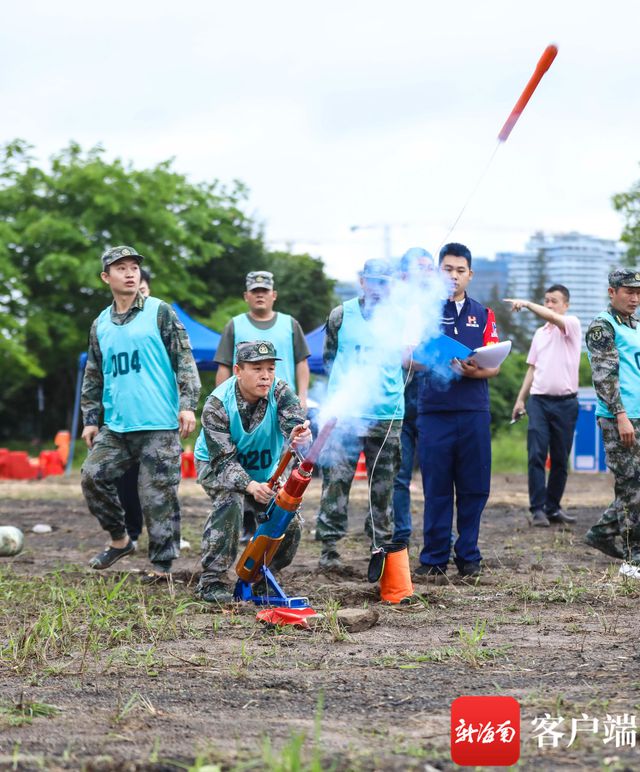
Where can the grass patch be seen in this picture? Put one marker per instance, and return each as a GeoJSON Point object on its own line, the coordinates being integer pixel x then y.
{"type": "Point", "coordinates": [60, 615]}
{"type": "Point", "coordinates": [470, 647]}
{"type": "Point", "coordinates": [24, 711]}
{"type": "Point", "coordinates": [509, 449]}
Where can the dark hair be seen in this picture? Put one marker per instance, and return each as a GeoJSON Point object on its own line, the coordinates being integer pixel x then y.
{"type": "Point", "coordinates": [455, 250]}
{"type": "Point", "coordinates": [561, 289]}
{"type": "Point", "coordinates": [145, 276]}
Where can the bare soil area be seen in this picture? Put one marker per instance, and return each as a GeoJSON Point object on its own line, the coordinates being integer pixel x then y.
{"type": "Point", "coordinates": [148, 678]}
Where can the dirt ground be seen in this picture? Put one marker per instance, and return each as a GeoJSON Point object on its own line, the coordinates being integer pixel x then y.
{"type": "Point", "coordinates": [145, 678]}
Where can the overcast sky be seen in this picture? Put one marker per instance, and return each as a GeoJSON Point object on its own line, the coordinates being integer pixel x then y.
{"type": "Point", "coordinates": [346, 113]}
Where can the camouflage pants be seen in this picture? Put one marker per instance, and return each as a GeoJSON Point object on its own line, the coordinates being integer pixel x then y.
{"type": "Point", "coordinates": [158, 454]}
{"type": "Point", "coordinates": [625, 465]}
{"type": "Point", "coordinates": [339, 460]}
{"type": "Point", "coordinates": [221, 535]}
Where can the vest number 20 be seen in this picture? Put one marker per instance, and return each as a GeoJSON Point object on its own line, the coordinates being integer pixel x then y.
{"type": "Point", "coordinates": [121, 364]}
{"type": "Point", "coordinates": [254, 460]}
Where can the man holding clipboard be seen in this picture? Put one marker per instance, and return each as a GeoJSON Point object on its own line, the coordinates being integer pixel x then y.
{"type": "Point", "coordinates": [454, 440]}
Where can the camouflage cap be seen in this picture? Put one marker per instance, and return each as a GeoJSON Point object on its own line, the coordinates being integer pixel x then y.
{"type": "Point", "coordinates": [624, 277]}
{"type": "Point", "coordinates": [257, 279]}
{"type": "Point", "coordinates": [117, 253]}
{"type": "Point", "coordinates": [415, 257]}
{"type": "Point", "coordinates": [377, 270]}
{"type": "Point", "coordinates": [255, 351]}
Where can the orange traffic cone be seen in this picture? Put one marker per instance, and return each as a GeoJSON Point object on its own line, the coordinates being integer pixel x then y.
{"type": "Point", "coordinates": [361, 468]}
{"type": "Point", "coordinates": [62, 440]}
{"type": "Point", "coordinates": [395, 582]}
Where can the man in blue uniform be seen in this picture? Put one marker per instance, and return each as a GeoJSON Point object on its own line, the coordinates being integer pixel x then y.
{"type": "Point", "coordinates": [454, 441]}
{"type": "Point", "coordinates": [244, 424]}
{"type": "Point", "coordinates": [141, 372]}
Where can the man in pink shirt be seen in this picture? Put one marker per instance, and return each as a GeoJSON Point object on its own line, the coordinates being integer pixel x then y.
{"type": "Point", "coordinates": [551, 383]}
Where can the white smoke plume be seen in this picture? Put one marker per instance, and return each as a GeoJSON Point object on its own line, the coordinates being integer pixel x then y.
{"type": "Point", "coordinates": [407, 314]}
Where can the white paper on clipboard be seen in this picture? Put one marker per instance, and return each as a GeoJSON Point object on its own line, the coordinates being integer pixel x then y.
{"type": "Point", "coordinates": [489, 356]}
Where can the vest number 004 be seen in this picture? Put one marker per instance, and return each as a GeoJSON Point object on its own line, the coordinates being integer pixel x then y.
{"type": "Point", "coordinates": [121, 364]}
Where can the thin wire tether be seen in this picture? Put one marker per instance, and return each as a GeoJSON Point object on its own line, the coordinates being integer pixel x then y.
{"type": "Point", "coordinates": [471, 195]}
{"type": "Point", "coordinates": [400, 402]}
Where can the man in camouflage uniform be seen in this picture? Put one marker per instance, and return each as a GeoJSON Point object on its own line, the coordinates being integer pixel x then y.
{"type": "Point", "coordinates": [374, 429]}
{"type": "Point", "coordinates": [244, 424]}
{"type": "Point", "coordinates": [613, 345]}
{"type": "Point", "coordinates": [141, 371]}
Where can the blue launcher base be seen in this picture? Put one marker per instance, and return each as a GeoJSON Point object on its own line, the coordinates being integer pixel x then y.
{"type": "Point", "coordinates": [275, 594]}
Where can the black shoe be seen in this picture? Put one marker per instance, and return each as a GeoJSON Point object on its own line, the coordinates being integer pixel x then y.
{"type": "Point", "coordinates": [245, 536]}
{"type": "Point", "coordinates": [109, 556]}
{"type": "Point", "coordinates": [561, 517]}
{"type": "Point", "coordinates": [215, 592]}
{"type": "Point", "coordinates": [539, 519]}
{"type": "Point", "coordinates": [470, 570]}
{"type": "Point", "coordinates": [435, 574]}
{"type": "Point", "coordinates": [604, 544]}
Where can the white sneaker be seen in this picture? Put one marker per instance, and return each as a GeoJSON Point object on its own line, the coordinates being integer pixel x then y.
{"type": "Point", "coordinates": [184, 544]}
{"type": "Point", "coordinates": [628, 569]}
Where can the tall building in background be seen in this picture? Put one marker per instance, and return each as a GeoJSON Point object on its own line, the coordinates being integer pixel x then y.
{"type": "Point", "coordinates": [582, 263]}
{"type": "Point", "coordinates": [489, 279]}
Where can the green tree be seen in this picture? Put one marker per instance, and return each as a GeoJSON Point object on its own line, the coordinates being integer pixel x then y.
{"type": "Point", "coordinates": [304, 291]}
{"type": "Point", "coordinates": [628, 204]}
{"type": "Point", "coordinates": [55, 223]}
{"type": "Point", "coordinates": [508, 322]}
{"type": "Point", "coordinates": [504, 389]}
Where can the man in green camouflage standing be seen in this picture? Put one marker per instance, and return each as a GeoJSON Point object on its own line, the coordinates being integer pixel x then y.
{"type": "Point", "coordinates": [613, 345]}
{"type": "Point", "coordinates": [245, 422]}
{"type": "Point", "coordinates": [141, 372]}
{"type": "Point", "coordinates": [356, 367]}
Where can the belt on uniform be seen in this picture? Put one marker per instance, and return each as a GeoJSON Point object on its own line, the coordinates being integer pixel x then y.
{"type": "Point", "coordinates": [557, 397]}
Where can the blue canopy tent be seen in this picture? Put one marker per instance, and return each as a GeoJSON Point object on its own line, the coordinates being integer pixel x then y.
{"type": "Point", "coordinates": [204, 343]}
{"type": "Point", "coordinates": [315, 341]}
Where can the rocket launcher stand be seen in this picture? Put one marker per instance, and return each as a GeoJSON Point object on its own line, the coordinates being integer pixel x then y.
{"type": "Point", "coordinates": [253, 565]}
{"type": "Point", "coordinates": [275, 595]}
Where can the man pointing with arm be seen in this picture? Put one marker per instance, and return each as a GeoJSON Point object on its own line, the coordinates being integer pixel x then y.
{"type": "Point", "coordinates": [552, 383]}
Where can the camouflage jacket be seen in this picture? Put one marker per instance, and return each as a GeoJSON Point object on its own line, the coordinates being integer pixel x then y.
{"type": "Point", "coordinates": [601, 344]}
{"type": "Point", "coordinates": [222, 450]}
{"type": "Point", "coordinates": [332, 328]}
{"type": "Point", "coordinates": [176, 341]}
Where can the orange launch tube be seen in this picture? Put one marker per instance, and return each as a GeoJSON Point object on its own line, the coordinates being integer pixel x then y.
{"type": "Point", "coordinates": [543, 65]}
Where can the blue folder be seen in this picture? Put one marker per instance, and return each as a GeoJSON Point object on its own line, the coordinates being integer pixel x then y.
{"type": "Point", "coordinates": [439, 351]}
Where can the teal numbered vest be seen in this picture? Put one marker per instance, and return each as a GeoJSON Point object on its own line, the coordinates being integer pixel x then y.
{"type": "Point", "coordinates": [357, 345]}
{"type": "Point", "coordinates": [281, 335]}
{"type": "Point", "coordinates": [258, 451]}
{"type": "Point", "coordinates": [140, 391]}
{"type": "Point", "coordinates": [628, 345]}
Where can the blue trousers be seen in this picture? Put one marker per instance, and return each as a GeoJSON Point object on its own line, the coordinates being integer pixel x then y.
{"type": "Point", "coordinates": [551, 426]}
{"type": "Point", "coordinates": [454, 449]}
{"type": "Point", "coordinates": [402, 482]}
